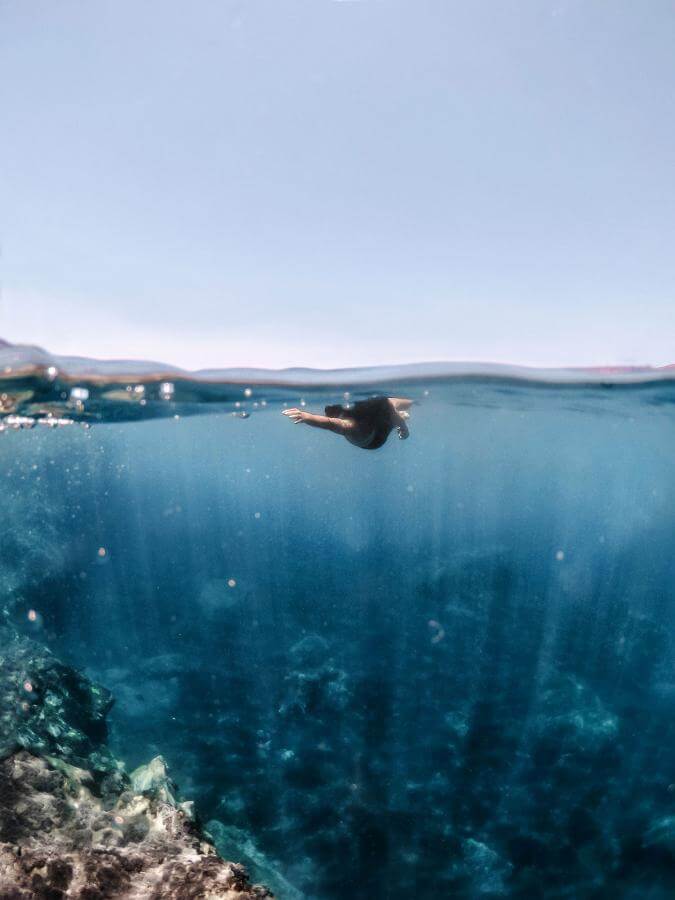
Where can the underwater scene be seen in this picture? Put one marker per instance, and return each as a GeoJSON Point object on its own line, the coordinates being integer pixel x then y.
{"type": "Point", "coordinates": [444, 668]}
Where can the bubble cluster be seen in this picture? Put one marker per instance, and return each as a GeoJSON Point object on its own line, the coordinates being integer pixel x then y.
{"type": "Point", "coordinates": [19, 423]}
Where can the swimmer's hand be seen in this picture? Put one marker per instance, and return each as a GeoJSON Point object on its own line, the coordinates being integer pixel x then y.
{"type": "Point", "coordinates": [338, 426]}
{"type": "Point", "coordinates": [297, 415]}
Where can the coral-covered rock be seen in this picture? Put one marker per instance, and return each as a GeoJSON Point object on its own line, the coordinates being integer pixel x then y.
{"type": "Point", "coordinates": [49, 708]}
{"type": "Point", "coordinates": [58, 839]}
{"type": "Point", "coordinates": [73, 824]}
{"type": "Point", "coordinates": [153, 779]}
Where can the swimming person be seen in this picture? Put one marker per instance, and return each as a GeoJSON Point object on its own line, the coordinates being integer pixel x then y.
{"type": "Point", "coordinates": [366, 424]}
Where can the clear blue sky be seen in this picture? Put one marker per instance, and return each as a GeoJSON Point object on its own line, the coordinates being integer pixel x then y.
{"type": "Point", "coordinates": [335, 182]}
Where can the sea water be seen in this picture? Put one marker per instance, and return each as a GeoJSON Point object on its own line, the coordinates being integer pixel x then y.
{"type": "Point", "coordinates": [445, 668]}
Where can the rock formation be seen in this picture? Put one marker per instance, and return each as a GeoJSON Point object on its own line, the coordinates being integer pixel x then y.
{"type": "Point", "coordinates": [73, 824]}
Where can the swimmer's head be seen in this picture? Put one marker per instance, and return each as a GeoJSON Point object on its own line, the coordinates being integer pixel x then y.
{"type": "Point", "coordinates": [334, 411]}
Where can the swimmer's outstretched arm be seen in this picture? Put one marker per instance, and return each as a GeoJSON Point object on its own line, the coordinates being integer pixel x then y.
{"type": "Point", "coordinates": [338, 426]}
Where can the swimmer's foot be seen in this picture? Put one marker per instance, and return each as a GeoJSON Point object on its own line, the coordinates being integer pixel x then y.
{"type": "Point", "coordinates": [400, 404]}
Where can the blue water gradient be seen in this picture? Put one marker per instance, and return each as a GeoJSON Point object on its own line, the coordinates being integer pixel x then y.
{"type": "Point", "coordinates": [442, 669]}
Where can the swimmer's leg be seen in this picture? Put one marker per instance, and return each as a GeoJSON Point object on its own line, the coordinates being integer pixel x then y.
{"type": "Point", "coordinates": [400, 404]}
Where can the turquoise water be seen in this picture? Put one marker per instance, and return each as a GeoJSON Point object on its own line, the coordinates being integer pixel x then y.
{"type": "Point", "coordinates": [445, 668]}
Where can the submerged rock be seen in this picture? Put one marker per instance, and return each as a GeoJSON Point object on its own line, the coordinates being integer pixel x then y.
{"type": "Point", "coordinates": [487, 870]}
{"type": "Point", "coordinates": [58, 840]}
{"type": "Point", "coordinates": [153, 779]}
{"type": "Point", "coordinates": [661, 834]}
{"type": "Point", "coordinates": [311, 652]}
{"type": "Point", "coordinates": [49, 708]}
{"type": "Point", "coordinates": [575, 719]}
{"type": "Point", "coordinates": [73, 824]}
{"type": "Point", "coordinates": [234, 843]}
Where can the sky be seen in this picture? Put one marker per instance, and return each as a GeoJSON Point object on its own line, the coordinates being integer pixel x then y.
{"type": "Point", "coordinates": [339, 182]}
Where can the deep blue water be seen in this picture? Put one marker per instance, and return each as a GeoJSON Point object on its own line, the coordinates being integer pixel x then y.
{"type": "Point", "coordinates": [442, 669]}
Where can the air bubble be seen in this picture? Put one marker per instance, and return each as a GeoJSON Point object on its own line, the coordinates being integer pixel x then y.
{"type": "Point", "coordinates": [439, 631]}
{"type": "Point", "coordinates": [19, 422]}
{"type": "Point", "coordinates": [35, 619]}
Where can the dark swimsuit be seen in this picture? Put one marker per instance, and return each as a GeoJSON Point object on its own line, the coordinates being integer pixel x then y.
{"type": "Point", "coordinates": [374, 414]}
